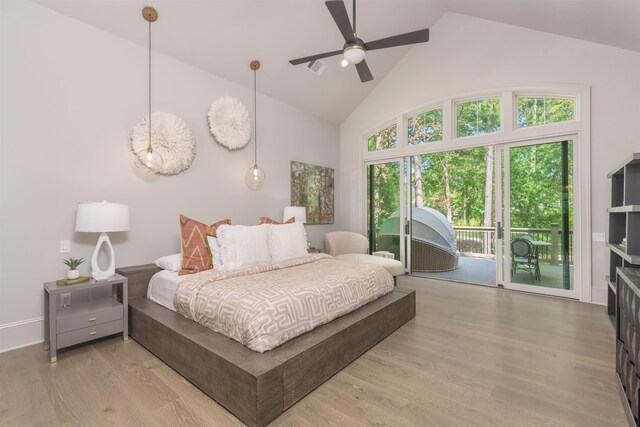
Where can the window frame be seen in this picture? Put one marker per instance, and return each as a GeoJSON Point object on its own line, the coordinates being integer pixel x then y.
{"type": "Point", "coordinates": [578, 129]}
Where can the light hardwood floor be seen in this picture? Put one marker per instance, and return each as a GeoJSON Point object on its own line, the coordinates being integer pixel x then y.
{"type": "Point", "coordinates": [472, 356]}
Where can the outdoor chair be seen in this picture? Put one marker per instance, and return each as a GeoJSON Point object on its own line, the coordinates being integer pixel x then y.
{"type": "Point", "coordinates": [523, 257]}
{"type": "Point", "coordinates": [433, 243]}
{"type": "Point", "coordinates": [425, 255]}
{"type": "Point", "coordinates": [354, 247]}
{"type": "Point", "coordinates": [537, 255]}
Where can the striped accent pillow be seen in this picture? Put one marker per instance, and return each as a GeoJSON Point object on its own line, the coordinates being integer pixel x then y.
{"type": "Point", "coordinates": [196, 255]}
{"type": "Point", "coordinates": [267, 220]}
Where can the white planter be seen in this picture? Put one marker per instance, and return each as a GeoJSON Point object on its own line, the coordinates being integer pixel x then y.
{"type": "Point", "coordinates": [73, 274]}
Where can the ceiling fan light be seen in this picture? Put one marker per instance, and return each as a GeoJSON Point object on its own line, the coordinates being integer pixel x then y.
{"type": "Point", "coordinates": [344, 63]}
{"type": "Point", "coordinates": [354, 54]}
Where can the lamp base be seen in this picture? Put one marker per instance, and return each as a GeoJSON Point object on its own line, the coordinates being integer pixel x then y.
{"type": "Point", "coordinates": [96, 272]}
{"type": "Point", "coordinates": [99, 278]}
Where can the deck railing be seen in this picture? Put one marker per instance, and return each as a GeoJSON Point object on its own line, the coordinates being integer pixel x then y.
{"type": "Point", "coordinates": [480, 241]}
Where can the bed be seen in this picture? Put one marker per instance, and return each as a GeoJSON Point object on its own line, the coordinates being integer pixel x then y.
{"type": "Point", "coordinates": [255, 387]}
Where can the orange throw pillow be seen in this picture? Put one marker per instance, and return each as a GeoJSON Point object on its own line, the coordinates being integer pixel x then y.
{"type": "Point", "coordinates": [195, 250]}
{"type": "Point", "coordinates": [267, 220]}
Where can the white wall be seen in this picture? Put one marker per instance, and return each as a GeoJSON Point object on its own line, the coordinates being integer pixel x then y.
{"type": "Point", "coordinates": [70, 95]}
{"type": "Point", "coordinates": [467, 54]}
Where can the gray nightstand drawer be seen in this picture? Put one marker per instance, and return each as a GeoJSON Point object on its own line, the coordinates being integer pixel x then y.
{"type": "Point", "coordinates": [87, 334]}
{"type": "Point", "coordinates": [101, 314]}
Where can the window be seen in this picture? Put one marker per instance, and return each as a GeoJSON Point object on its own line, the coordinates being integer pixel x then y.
{"type": "Point", "coordinates": [541, 111]}
{"type": "Point", "coordinates": [383, 140]}
{"type": "Point", "coordinates": [478, 117]}
{"type": "Point", "coordinates": [425, 127]}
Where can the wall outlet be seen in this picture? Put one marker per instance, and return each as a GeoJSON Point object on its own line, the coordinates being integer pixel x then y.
{"type": "Point", "coordinates": [65, 299]}
{"type": "Point", "coordinates": [65, 246]}
{"type": "Point", "coordinates": [598, 237]}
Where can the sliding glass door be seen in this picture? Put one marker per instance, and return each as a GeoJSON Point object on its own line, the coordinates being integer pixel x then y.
{"type": "Point", "coordinates": [494, 215]}
{"type": "Point", "coordinates": [453, 216]}
{"type": "Point", "coordinates": [385, 195]}
{"type": "Point", "coordinates": [539, 218]}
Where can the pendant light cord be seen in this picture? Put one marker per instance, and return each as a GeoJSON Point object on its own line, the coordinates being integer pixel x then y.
{"type": "Point", "coordinates": [255, 120]}
{"type": "Point", "coordinates": [149, 147]}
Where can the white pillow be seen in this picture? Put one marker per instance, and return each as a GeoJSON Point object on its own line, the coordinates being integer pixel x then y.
{"type": "Point", "coordinates": [214, 248]}
{"type": "Point", "coordinates": [169, 262]}
{"type": "Point", "coordinates": [287, 241]}
{"type": "Point", "coordinates": [242, 245]}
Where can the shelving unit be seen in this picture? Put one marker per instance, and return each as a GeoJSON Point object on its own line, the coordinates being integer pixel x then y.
{"type": "Point", "coordinates": [624, 223]}
{"type": "Point", "coordinates": [623, 281]}
{"type": "Point", "coordinates": [627, 344]}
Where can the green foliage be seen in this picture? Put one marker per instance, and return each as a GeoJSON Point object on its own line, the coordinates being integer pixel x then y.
{"type": "Point", "coordinates": [386, 138]}
{"type": "Point", "coordinates": [386, 195]}
{"type": "Point", "coordinates": [465, 171]}
{"type": "Point", "coordinates": [478, 117]}
{"type": "Point", "coordinates": [536, 185]}
{"type": "Point", "coordinates": [540, 111]}
{"type": "Point", "coordinates": [425, 127]}
{"type": "Point", "coordinates": [73, 263]}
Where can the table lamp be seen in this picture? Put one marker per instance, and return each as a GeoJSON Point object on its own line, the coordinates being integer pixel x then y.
{"type": "Point", "coordinates": [102, 217]}
{"type": "Point", "coordinates": [300, 214]}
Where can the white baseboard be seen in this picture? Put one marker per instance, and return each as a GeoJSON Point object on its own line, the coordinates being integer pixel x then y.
{"type": "Point", "coordinates": [21, 334]}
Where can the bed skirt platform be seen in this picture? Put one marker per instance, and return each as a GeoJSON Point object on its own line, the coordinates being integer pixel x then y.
{"type": "Point", "coordinates": [258, 387]}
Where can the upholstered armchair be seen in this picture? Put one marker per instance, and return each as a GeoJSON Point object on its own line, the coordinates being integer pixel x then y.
{"type": "Point", "coordinates": [354, 247]}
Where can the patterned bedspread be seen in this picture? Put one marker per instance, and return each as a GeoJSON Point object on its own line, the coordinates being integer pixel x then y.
{"type": "Point", "coordinates": [265, 305]}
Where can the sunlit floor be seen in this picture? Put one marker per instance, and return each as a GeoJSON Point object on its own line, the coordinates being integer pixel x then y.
{"type": "Point", "coordinates": [482, 271]}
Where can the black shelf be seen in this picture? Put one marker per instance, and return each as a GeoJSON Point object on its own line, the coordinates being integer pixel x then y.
{"type": "Point", "coordinates": [624, 209]}
{"type": "Point", "coordinates": [622, 251]}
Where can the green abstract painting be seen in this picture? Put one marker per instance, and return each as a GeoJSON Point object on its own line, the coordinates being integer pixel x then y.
{"type": "Point", "coordinates": [312, 187]}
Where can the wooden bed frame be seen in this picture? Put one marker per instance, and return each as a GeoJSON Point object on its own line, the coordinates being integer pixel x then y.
{"type": "Point", "coordinates": [258, 387]}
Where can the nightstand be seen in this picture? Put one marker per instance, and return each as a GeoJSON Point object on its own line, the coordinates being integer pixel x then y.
{"type": "Point", "coordinates": [97, 309]}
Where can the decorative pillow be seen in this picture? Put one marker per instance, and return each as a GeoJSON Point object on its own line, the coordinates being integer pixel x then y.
{"type": "Point", "coordinates": [195, 251]}
{"type": "Point", "coordinates": [267, 220]}
{"type": "Point", "coordinates": [242, 245]}
{"type": "Point", "coordinates": [214, 247]}
{"type": "Point", "coordinates": [287, 241]}
{"type": "Point", "coordinates": [169, 262]}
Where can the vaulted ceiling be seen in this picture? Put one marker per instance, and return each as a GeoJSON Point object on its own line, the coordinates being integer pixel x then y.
{"type": "Point", "coordinates": [222, 37]}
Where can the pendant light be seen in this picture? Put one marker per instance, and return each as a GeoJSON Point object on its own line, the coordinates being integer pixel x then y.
{"type": "Point", "coordinates": [255, 175]}
{"type": "Point", "coordinates": [152, 160]}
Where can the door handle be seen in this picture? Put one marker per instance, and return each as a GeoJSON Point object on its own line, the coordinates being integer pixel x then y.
{"type": "Point", "coordinates": [499, 230]}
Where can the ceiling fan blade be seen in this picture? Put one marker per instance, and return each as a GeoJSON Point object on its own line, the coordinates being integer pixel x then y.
{"type": "Point", "coordinates": [339, 13]}
{"type": "Point", "coordinates": [314, 57]}
{"type": "Point", "coordinates": [420, 36]}
{"type": "Point", "coordinates": [363, 71]}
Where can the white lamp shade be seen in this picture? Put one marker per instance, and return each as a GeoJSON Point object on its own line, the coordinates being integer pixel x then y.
{"type": "Point", "coordinates": [102, 217]}
{"type": "Point", "coordinates": [300, 214]}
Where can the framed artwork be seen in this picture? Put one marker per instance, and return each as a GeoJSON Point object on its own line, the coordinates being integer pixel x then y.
{"type": "Point", "coordinates": [312, 187]}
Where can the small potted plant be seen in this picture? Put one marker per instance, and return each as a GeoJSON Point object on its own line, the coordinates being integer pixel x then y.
{"type": "Point", "coordinates": [73, 264]}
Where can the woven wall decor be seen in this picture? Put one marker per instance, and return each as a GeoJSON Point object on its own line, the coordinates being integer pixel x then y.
{"type": "Point", "coordinates": [171, 137]}
{"type": "Point", "coordinates": [229, 123]}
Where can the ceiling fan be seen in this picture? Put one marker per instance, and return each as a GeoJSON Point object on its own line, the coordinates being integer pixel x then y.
{"type": "Point", "coordinates": [354, 49]}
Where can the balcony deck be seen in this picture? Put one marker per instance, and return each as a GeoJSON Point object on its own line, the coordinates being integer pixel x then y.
{"type": "Point", "coordinates": [482, 271]}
